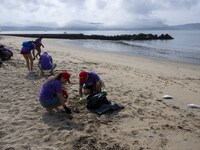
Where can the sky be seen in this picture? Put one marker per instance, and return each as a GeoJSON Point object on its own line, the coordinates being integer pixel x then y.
{"type": "Point", "coordinates": [99, 13]}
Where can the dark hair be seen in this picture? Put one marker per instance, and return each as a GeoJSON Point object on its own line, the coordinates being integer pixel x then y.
{"type": "Point", "coordinates": [58, 77]}
{"type": "Point", "coordinates": [41, 37]}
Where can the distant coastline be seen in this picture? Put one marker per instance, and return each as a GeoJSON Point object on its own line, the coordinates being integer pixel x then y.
{"type": "Point", "coordinates": [140, 36]}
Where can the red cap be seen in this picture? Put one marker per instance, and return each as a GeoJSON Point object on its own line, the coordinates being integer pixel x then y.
{"type": "Point", "coordinates": [66, 75]}
{"type": "Point", "coordinates": [83, 76]}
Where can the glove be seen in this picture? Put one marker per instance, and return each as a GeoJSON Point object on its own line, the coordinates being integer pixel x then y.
{"type": "Point", "coordinates": [81, 101]}
{"type": "Point", "coordinates": [67, 110]}
{"type": "Point", "coordinates": [104, 91]}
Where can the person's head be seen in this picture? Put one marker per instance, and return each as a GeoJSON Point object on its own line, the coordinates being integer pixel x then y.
{"type": "Point", "coordinates": [83, 76]}
{"type": "Point", "coordinates": [64, 77]}
{"type": "Point", "coordinates": [1, 46]}
{"type": "Point", "coordinates": [41, 37]}
{"type": "Point", "coordinates": [45, 53]}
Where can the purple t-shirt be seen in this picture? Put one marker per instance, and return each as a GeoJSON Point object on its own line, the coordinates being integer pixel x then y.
{"type": "Point", "coordinates": [8, 50]}
{"type": "Point", "coordinates": [28, 50]}
{"type": "Point", "coordinates": [92, 79]}
{"type": "Point", "coordinates": [50, 89]}
{"type": "Point", "coordinates": [46, 61]}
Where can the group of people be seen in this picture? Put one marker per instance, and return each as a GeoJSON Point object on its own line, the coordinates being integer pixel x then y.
{"type": "Point", "coordinates": [53, 94]}
{"type": "Point", "coordinates": [45, 60]}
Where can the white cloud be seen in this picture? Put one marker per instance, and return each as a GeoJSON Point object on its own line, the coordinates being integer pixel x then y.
{"type": "Point", "coordinates": [109, 13]}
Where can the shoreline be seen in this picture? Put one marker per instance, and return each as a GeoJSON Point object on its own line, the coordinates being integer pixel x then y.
{"type": "Point", "coordinates": [147, 122]}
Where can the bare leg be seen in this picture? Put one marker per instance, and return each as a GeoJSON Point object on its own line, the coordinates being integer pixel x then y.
{"type": "Point", "coordinates": [27, 61]}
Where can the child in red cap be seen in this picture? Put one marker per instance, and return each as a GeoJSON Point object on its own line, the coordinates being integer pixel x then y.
{"type": "Point", "coordinates": [52, 94]}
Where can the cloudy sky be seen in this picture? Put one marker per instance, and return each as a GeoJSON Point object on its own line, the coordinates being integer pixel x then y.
{"type": "Point", "coordinates": [99, 13]}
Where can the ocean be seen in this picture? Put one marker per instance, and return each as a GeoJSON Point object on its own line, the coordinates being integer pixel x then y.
{"type": "Point", "coordinates": [185, 47]}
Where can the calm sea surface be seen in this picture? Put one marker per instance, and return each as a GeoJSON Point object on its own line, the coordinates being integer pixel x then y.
{"type": "Point", "coordinates": [185, 47]}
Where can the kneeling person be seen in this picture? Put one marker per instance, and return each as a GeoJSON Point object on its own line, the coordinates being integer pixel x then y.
{"type": "Point", "coordinates": [89, 83]}
{"type": "Point", "coordinates": [52, 93]}
{"type": "Point", "coordinates": [46, 63]}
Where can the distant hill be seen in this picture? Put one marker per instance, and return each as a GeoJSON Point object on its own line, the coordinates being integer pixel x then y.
{"type": "Point", "coordinates": [191, 26]}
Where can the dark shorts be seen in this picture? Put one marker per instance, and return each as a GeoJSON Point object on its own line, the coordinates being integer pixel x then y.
{"type": "Point", "coordinates": [50, 103]}
{"type": "Point", "coordinates": [91, 88]}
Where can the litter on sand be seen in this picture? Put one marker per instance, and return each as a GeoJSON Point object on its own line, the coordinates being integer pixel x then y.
{"type": "Point", "coordinates": [167, 97]}
{"type": "Point", "coordinates": [194, 106]}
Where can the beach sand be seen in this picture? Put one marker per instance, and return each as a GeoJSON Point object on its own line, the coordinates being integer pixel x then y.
{"type": "Point", "coordinates": [148, 121]}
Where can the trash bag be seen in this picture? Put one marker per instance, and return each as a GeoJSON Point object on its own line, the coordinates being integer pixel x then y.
{"type": "Point", "coordinates": [95, 101]}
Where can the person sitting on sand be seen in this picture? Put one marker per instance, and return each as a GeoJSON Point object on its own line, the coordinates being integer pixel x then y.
{"type": "Point", "coordinates": [38, 43]}
{"type": "Point", "coordinates": [5, 53]}
{"type": "Point", "coordinates": [46, 63]}
{"type": "Point", "coordinates": [26, 49]}
{"type": "Point", "coordinates": [52, 94]}
{"type": "Point", "coordinates": [89, 83]}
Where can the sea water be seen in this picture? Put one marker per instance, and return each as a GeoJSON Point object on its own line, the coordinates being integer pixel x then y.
{"type": "Point", "coordinates": [185, 47]}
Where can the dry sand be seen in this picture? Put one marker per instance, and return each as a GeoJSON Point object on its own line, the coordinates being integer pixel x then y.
{"type": "Point", "coordinates": [147, 122]}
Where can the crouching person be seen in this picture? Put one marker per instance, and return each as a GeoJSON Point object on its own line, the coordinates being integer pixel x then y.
{"type": "Point", "coordinates": [5, 53]}
{"type": "Point", "coordinates": [53, 95]}
{"type": "Point", "coordinates": [89, 83]}
{"type": "Point", "coordinates": [46, 63]}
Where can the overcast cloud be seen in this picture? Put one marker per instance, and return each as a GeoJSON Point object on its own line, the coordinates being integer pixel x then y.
{"type": "Point", "coordinates": [99, 13]}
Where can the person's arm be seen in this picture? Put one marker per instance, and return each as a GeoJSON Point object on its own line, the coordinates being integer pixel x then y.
{"type": "Point", "coordinates": [103, 85]}
{"type": "Point", "coordinates": [61, 99]}
{"type": "Point", "coordinates": [80, 91]}
{"type": "Point", "coordinates": [98, 86]}
{"type": "Point", "coordinates": [33, 53]}
{"type": "Point", "coordinates": [62, 102]}
{"type": "Point", "coordinates": [41, 43]}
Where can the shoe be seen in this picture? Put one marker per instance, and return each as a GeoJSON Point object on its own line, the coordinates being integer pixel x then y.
{"type": "Point", "coordinates": [68, 110]}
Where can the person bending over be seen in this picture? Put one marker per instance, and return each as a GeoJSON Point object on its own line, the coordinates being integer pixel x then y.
{"type": "Point", "coordinates": [46, 63]}
{"type": "Point", "coordinates": [89, 83]}
{"type": "Point", "coordinates": [38, 43]}
{"type": "Point", "coordinates": [52, 94]}
{"type": "Point", "coordinates": [26, 49]}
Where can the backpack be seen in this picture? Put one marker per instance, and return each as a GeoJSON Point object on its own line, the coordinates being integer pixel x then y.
{"type": "Point", "coordinates": [95, 101]}
{"type": "Point", "coordinates": [27, 44]}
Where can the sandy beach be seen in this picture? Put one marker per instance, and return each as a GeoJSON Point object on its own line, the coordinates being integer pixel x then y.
{"type": "Point", "coordinates": [148, 121]}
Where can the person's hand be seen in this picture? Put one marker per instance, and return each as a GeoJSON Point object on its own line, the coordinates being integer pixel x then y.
{"type": "Point", "coordinates": [67, 110]}
{"type": "Point", "coordinates": [81, 101]}
{"type": "Point", "coordinates": [104, 91]}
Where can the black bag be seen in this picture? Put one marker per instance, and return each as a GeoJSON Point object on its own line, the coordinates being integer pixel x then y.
{"type": "Point", "coordinates": [95, 101]}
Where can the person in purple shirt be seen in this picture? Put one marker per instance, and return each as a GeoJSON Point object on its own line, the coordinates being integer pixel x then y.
{"type": "Point", "coordinates": [52, 93]}
{"type": "Point", "coordinates": [38, 43]}
{"type": "Point", "coordinates": [5, 52]}
{"type": "Point", "coordinates": [89, 83]}
{"type": "Point", "coordinates": [27, 48]}
{"type": "Point", "coordinates": [46, 63]}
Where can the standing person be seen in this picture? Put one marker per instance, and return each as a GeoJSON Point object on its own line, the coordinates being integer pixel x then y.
{"type": "Point", "coordinates": [89, 83]}
{"type": "Point", "coordinates": [38, 43]}
{"type": "Point", "coordinates": [26, 49]}
{"type": "Point", "coordinates": [46, 63]}
{"type": "Point", "coordinates": [52, 94]}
